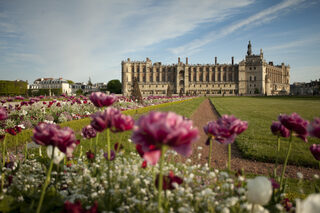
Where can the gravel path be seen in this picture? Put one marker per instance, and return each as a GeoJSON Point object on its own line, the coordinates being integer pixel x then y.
{"type": "Point", "coordinates": [205, 113]}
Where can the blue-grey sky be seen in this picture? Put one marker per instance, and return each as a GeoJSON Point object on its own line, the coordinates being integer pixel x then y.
{"type": "Point", "coordinates": [75, 39]}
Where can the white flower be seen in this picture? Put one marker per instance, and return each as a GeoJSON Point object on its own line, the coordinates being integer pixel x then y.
{"type": "Point", "coordinates": [310, 205]}
{"type": "Point", "coordinates": [300, 175]}
{"type": "Point", "coordinates": [57, 155]}
{"type": "Point", "coordinates": [259, 190]}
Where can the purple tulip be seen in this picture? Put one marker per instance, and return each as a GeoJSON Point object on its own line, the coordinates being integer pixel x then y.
{"type": "Point", "coordinates": [112, 155]}
{"type": "Point", "coordinates": [163, 128]}
{"type": "Point", "coordinates": [315, 150]}
{"type": "Point", "coordinates": [296, 124]}
{"type": "Point", "coordinates": [225, 129]}
{"type": "Point", "coordinates": [3, 114]}
{"type": "Point", "coordinates": [51, 134]}
{"type": "Point", "coordinates": [122, 123]}
{"type": "Point", "coordinates": [88, 132]}
{"type": "Point", "coordinates": [314, 128]}
{"type": "Point", "coordinates": [103, 120]}
{"type": "Point", "coordinates": [278, 129]}
{"type": "Point", "coordinates": [100, 99]}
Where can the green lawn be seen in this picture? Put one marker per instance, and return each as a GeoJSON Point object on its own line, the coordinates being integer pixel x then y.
{"type": "Point", "coordinates": [258, 142]}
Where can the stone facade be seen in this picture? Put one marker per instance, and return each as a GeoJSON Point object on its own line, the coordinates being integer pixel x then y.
{"type": "Point", "coordinates": [302, 88]}
{"type": "Point", "coordinates": [253, 75]}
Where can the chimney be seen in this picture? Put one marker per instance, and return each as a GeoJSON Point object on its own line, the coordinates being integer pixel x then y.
{"type": "Point", "coordinates": [186, 60]}
{"type": "Point", "coordinates": [232, 60]}
{"type": "Point", "coordinates": [128, 59]}
{"type": "Point", "coordinates": [215, 60]}
{"type": "Point", "coordinates": [178, 59]}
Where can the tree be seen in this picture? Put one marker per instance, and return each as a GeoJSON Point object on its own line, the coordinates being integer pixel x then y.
{"type": "Point", "coordinates": [70, 82]}
{"type": "Point", "coordinates": [114, 86]}
{"type": "Point", "coordinates": [136, 93]}
{"type": "Point", "coordinates": [89, 82]}
{"type": "Point", "coordinates": [79, 92]}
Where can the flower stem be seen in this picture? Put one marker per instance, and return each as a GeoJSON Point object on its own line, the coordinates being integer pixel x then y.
{"type": "Point", "coordinates": [229, 157]}
{"type": "Point", "coordinates": [4, 151]}
{"type": "Point", "coordinates": [160, 177]}
{"type": "Point", "coordinates": [210, 154]}
{"type": "Point", "coordinates": [108, 144]}
{"type": "Point", "coordinates": [16, 142]}
{"type": "Point", "coordinates": [3, 161]}
{"type": "Point", "coordinates": [26, 151]}
{"type": "Point", "coordinates": [95, 145]}
{"type": "Point", "coordinates": [286, 161]}
{"type": "Point", "coordinates": [90, 143]}
{"type": "Point", "coordinates": [277, 157]}
{"type": "Point", "coordinates": [46, 183]}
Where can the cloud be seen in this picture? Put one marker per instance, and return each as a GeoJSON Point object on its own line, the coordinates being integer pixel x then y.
{"type": "Point", "coordinates": [77, 39]}
{"type": "Point", "coordinates": [259, 18]}
{"type": "Point", "coordinates": [302, 42]}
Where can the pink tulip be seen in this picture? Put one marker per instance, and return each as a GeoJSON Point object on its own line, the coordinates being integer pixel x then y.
{"type": "Point", "coordinates": [88, 132]}
{"type": "Point", "coordinates": [100, 99]}
{"type": "Point", "coordinates": [122, 122]}
{"type": "Point", "coordinates": [51, 134]}
{"type": "Point", "coordinates": [296, 124]}
{"type": "Point", "coordinates": [159, 129]}
{"type": "Point", "coordinates": [315, 151]}
{"type": "Point", "coordinates": [314, 128]}
{"type": "Point", "coordinates": [3, 114]}
{"type": "Point", "coordinates": [278, 129]}
{"type": "Point", "coordinates": [103, 120]}
{"type": "Point", "coordinates": [225, 129]}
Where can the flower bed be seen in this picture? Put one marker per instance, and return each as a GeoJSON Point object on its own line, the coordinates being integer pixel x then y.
{"type": "Point", "coordinates": [68, 178]}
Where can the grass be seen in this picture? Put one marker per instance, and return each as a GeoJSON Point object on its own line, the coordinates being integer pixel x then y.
{"type": "Point", "coordinates": [257, 142]}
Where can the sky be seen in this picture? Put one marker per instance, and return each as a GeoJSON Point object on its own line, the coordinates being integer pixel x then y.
{"type": "Point", "coordinates": [78, 39]}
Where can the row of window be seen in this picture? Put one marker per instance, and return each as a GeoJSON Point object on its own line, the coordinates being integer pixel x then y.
{"type": "Point", "coordinates": [201, 69]}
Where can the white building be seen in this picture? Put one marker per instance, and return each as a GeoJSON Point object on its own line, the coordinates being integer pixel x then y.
{"type": "Point", "coordinates": [51, 83]}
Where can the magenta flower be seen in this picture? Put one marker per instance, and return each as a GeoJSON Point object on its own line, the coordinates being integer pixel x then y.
{"type": "Point", "coordinates": [88, 132]}
{"type": "Point", "coordinates": [51, 134]}
{"type": "Point", "coordinates": [90, 155]}
{"type": "Point", "coordinates": [159, 129]}
{"type": "Point", "coordinates": [314, 128]}
{"type": "Point", "coordinates": [296, 124]}
{"type": "Point", "coordinates": [3, 114]}
{"type": "Point", "coordinates": [144, 164]}
{"type": "Point", "coordinates": [11, 131]}
{"type": "Point", "coordinates": [169, 180]}
{"type": "Point", "coordinates": [139, 150]}
{"type": "Point", "coordinates": [278, 129]}
{"type": "Point", "coordinates": [315, 150]}
{"type": "Point", "coordinates": [103, 120]}
{"type": "Point", "coordinates": [77, 208]}
{"type": "Point", "coordinates": [19, 98]}
{"type": "Point", "coordinates": [100, 99]}
{"type": "Point", "coordinates": [275, 184]}
{"type": "Point", "coordinates": [225, 129]}
{"type": "Point", "coordinates": [122, 122]}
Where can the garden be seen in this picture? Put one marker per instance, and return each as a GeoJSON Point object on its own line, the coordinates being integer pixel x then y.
{"type": "Point", "coordinates": [113, 154]}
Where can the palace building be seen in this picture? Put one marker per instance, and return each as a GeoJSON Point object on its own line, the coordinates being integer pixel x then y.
{"type": "Point", "coordinates": [252, 76]}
